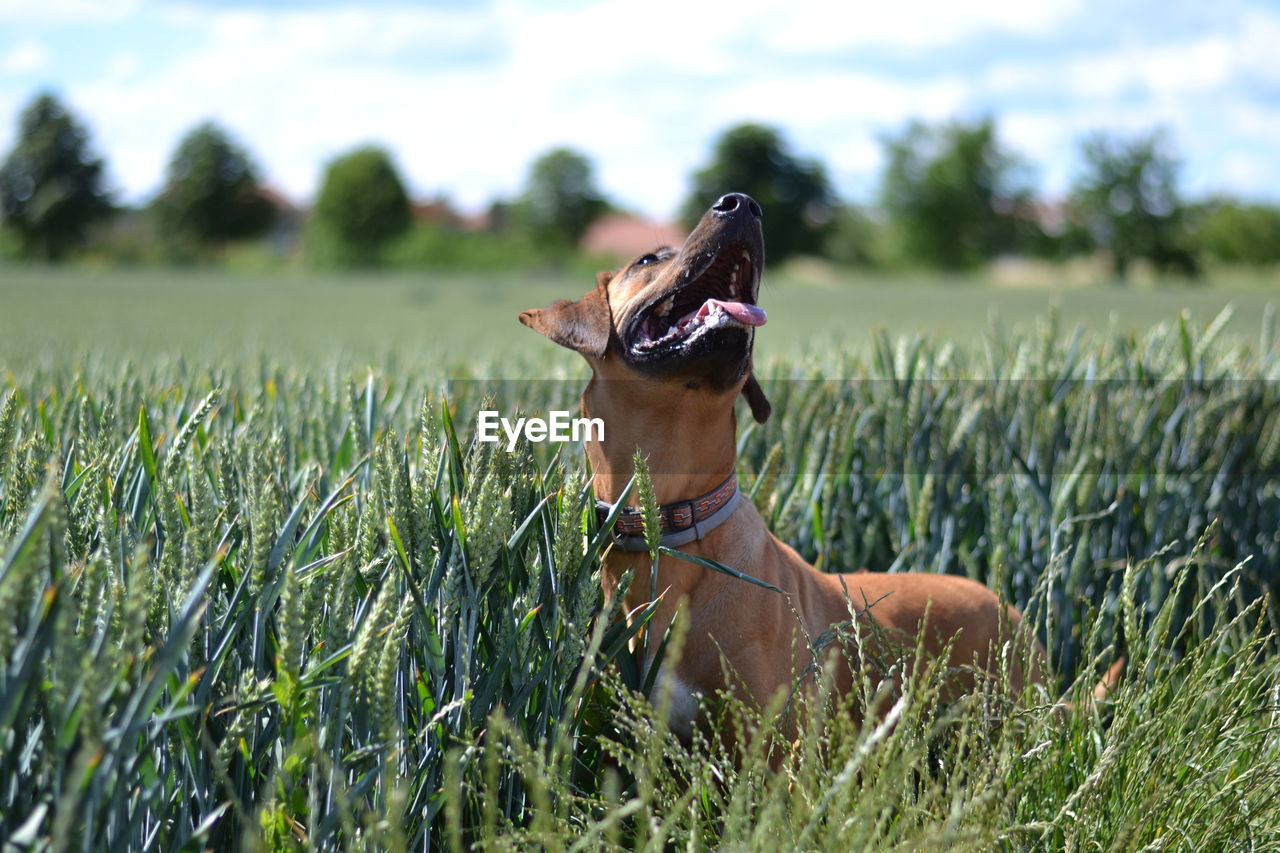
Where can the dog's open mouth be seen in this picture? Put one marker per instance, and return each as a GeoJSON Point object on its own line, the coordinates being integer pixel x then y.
{"type": "Point", "coordinates": [721, 296]}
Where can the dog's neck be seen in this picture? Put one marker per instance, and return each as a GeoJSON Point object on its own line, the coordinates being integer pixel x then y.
{"type": "Point", "coordinates": [686, 436]}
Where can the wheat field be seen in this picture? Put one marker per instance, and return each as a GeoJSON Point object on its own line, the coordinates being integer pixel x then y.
{"type": "Point", "coordinates": [288, 602]}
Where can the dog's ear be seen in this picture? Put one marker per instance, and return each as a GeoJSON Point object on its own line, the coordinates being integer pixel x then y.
{"type": "Point", "coordinates": [583, 326]}
{"type": "Point", "coordinates": [759, 403]}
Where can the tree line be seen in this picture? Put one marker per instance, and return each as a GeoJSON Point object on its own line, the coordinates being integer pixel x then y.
{"type": "Point", "coordinates": [951, 197]}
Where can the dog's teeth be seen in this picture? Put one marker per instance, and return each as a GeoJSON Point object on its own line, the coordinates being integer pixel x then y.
{"type": "Point", "coordinates": [665, 308]}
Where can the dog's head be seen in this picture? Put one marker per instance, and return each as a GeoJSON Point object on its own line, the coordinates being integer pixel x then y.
{"type": "Point", "coordinates": [686, 315]}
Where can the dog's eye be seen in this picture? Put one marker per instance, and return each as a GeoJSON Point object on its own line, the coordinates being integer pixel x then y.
{"type": "Point", "coordinates": [662, 253]}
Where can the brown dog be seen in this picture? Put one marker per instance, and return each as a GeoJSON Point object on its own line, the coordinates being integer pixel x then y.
{"type": "Point", "coordinates": [669, 340]}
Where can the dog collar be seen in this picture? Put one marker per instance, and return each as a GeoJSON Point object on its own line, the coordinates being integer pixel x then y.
{"type": "Point", "coordinates": [681, 522]}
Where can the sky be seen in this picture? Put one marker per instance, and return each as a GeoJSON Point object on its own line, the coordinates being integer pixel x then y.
{"type": "Point", "coordinates": [467, 93]}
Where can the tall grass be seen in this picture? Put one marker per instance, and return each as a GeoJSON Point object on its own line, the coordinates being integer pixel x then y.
{"type": "Point", "coordinates": [1033, 455]}
{"type": "Point", "coordinates": [278, 606]}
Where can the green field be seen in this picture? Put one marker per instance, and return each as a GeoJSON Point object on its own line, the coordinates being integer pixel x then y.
{"type": "Point", "coordinates": [469, 319]}
{"type": "Point", "coordinates": [263, 591]}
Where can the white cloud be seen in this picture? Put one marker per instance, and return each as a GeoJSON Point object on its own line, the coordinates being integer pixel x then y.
{"type": "Point", "coordinates": [25, 57]}
{"type": "Point", "coordinates": [57, 12]}
{"type": "Point", "coordinates": [810, 25]}
{"type": "Point", "coordinates": [1255, 120]}
{"type": "Point", "coordinates": [1198, 66]}
{"type": "Point", "coordinates": [1212, 62]}
{"type": "Point", "coordinates": [348, 32]}
{"type": "Point", "coordinates": [296, 86]}
{"type": "Point", "coordinates": [123, 64]}
{"type": "Point", "coordinates": [1246, 172]}
{"type": "Point", "coordinates": [467, 96]}
{"type": "Point", "coordinates": [1202, 89]}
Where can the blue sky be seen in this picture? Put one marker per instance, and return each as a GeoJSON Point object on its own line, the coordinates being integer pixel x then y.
{"type": "Point", "coordinates": [466, 94]}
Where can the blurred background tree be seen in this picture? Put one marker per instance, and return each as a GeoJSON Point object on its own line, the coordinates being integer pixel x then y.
{"type": "Point", "coordinates": [361, 209]}
{"type": "Point", "coordinates": [212, 194]}
{"type": "Point", "coordinates": [560, 199]}
{"type": "Point", "coordinates": [855, 237]}
{"type": "Point", "coordinates": [52, 184]}
{"type": "Point", "coordinates": [1237, 232]}
{"type": "Point", "coordinates": [1128, 198]}
{"type": "Point", "coordinates": [953, 195]}
{"type": "Point", "coordinates": [796, 196]}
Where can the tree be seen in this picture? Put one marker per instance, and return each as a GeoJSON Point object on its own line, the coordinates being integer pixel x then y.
{"type": "Point", "coordinates": [52, 185]}
{"type": "Point", "coordinates": [853, 237]}
{"type": "Point", "coordinates": [1128, 198]}
{"type": "Point", "coordinates": [212, 193]}
{"type": "Point", "coordinates": [560, 199]}
{"type": "Point", "coordinates": [1235, 232]}
{"type": "Point", "coordinates": [795, 194]}
{"type": "Point", "coordinates": [952, 193]}
{"type": "Point", "coordinates": [362, 205]}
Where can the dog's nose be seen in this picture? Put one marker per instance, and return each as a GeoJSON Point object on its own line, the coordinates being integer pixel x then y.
{"type": "Point", "coordinates": [731, 203]}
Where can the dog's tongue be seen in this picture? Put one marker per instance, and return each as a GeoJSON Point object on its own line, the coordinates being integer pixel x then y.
{"type": "Point", "coordinates": [744, 312]}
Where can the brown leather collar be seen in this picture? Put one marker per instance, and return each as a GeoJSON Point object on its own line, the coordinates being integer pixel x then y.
{"type": "Point", "coordinates": [681, 522]}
